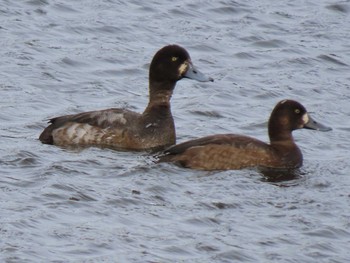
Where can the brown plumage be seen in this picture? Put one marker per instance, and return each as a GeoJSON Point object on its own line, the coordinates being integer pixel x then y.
{"type": "Point", "coordinates": [230, 151]}
{"type": "Point", "coordinates": [124, 129]}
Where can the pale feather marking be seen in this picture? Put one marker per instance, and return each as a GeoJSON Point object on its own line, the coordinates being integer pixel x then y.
{"type": "Point", "coordinates": [305, 118]}
{"type": "Point", "coordinates": [183, 68]}
{"type": "Point", "coordinates": [110, 117]}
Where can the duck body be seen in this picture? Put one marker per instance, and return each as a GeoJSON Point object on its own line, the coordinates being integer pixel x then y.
{"type": "Point", "coordinates": [113, 128]}
{"type": "Point", "coordinates": [154, 129]}
{"type": "Point", "coordinates": [231, 151]}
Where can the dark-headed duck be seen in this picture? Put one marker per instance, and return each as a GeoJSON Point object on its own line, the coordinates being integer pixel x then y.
{"type": "Point", "coordinates": [126, 130]}
{"type": "Point", "coordinates": [231, 151]}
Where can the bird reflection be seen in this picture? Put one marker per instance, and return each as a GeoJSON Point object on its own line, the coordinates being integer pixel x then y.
{"type": "Point", "coordinates": [280, 175]}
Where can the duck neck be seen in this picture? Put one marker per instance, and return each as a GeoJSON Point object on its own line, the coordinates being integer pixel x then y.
{"type": "Point", "coordinates": [279, 134]}
{"type": "Point", "coordinates": [284, 146]}
{"type": "Point", "coordinates": [159, 99]}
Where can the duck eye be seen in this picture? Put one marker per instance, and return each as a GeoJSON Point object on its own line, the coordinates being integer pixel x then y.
{"type": "Point", "coordinates": [297, 111]}
{"type": "Point", "coordinates": [174, 59]}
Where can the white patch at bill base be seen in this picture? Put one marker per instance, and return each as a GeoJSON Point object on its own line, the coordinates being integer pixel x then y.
{"type": "Point", "coordinates": [305, 118]}
{"type": "Point", "coordinates": [183, 68]}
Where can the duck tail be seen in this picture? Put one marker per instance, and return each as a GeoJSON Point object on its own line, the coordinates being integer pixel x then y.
{"type": "Point", "coordinates": [46, 136]}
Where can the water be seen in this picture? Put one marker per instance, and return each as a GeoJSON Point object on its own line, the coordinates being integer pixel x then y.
{"type": "Point", "coordinates": [98, 205]}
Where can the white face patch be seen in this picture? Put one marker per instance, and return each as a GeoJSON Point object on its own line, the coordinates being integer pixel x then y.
{"type": "Point", "coordinates": [183, 68]}
{"type": "Point", "coordinates": [305, 118]}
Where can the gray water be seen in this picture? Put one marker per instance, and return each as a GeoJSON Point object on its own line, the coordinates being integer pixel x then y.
{"type": "Point", "coordinates": [99, 205]}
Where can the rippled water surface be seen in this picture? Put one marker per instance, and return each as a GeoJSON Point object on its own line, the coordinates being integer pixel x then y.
{"type": "Point", "coordinates": [99, 205]}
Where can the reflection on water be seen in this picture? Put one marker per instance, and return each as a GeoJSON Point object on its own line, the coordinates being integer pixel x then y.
{"type": "Point", "coordinates": [280, 175]}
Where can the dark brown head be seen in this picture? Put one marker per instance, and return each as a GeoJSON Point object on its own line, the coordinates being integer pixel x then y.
{"type": "Point", "coordinates": [290, 115]}
{"type": "Point", "coordinates": [172, 63]}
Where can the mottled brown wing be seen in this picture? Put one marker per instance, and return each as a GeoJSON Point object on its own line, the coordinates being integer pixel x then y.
{"type": "Point", "coordinates": [112, 118]}
{"type": "Point", "coordinates": [235, 140]}
{"type": "Point", "coordinates": [102, 119]}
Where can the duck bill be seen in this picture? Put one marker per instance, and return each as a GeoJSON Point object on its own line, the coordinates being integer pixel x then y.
{"type": "Point", "coordinates": [194, 73]}
{"type": "Point", "coordinates": [314, 125]}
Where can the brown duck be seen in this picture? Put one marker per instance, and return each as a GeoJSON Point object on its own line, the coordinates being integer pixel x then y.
{"type": "Point", "coordinates": [124, 129]}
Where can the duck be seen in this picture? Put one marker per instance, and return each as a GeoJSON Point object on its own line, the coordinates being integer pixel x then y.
{"type": "Point", "coordinates": [122, 129]}
{"type": "Point", "coordinates": [235, 152]}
